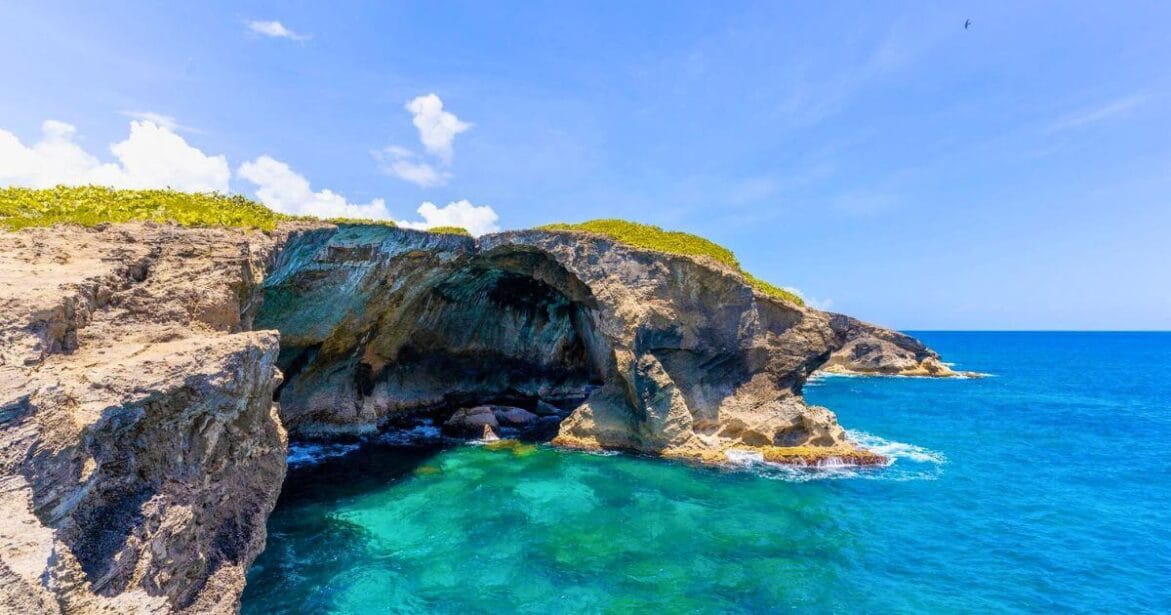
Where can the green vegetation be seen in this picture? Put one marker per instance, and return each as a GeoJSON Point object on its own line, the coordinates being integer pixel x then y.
{"type": "Point", "coordinates": [450, 230]}
{"type": "Point", "coordinates": [92, 205]}
{"type": "Point", "coordinates": [362, 221]}
{"type": "Point", "coordinates": [672, 242]}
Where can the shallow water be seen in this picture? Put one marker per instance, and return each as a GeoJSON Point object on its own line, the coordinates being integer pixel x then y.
{"type": "Point", "coordinates": [1045, 487]}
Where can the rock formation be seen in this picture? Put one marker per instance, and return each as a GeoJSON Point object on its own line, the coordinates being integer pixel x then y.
{"type": "Point", "coordinates": [672, 355]}
{"type": "Point", "coordinates": [141, 449]}
{"type": "Point", "coordinates": [865, 349]}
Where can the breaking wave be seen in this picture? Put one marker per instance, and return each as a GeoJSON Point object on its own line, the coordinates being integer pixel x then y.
{"type": "Point", "coordinates": [311, 453]}
{"type": "Point", "coordinates": [907, 462]}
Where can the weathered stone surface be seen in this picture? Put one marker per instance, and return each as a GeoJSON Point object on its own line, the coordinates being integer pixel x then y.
{"type": "Point", "coordinates": [514, 417]}
{"type": "Point", "coordinates": [140, 451]}
{"type": "Point", "coordinates": [472, 422]}
{"type": "Point", "coordinates": [673, 355]}
{"type": "Point", "coordinates": [865, 349]}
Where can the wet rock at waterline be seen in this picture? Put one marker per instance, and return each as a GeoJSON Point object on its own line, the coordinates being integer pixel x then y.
{"type": "Point", "coordinates": [141, 449]}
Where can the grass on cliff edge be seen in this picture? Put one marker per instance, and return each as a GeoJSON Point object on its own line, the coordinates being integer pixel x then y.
{"type": "Point", "coordinates": [92, 205]}
{"type": "Point", "coordinates": [672, 242]}
{"type": "Point", "coordinates": [450, 230]}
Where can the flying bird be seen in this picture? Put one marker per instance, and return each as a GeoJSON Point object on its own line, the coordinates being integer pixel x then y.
{"type": "Point", "coordinates": [967, 23]}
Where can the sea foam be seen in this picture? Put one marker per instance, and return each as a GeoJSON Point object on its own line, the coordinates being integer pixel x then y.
{"type": "Point", "coordinates": [311, 453]}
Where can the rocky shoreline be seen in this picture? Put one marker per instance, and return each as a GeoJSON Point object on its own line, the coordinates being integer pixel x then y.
{"type": "Point", "coordinates": [141, 449]}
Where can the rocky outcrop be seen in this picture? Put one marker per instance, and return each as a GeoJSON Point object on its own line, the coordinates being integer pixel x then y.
{"type": "Point", "coordinates": [672, 355]}
{"type": "Point", "coordinates": [140, 451]}
{"type": "Point", "coordinates": [480, 421]}
{"type": "Point", "coordinates": [865, 349]}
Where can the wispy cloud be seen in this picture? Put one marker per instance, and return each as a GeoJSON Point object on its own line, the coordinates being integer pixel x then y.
{"type": "Point", "coordinates": [1102, 112]}
{"type": "Point", "coordinates": [408, 166]}
{"type": "Point", "coordinates": [437, 131]}
{"type": "Point", "coordinates": [166, 121]}
{"type": "Point", "coordinates": [276, 29]}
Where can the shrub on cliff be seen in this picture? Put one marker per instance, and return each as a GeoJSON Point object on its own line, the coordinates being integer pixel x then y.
{"type": "Point", "coordinates": [92, 205]}
{"type": "Point", "coordinates": [449, 230]}
{"type": "Point", "coordinates": [356, 221]}
{"type": "Point", "coordinates": [672, 242]}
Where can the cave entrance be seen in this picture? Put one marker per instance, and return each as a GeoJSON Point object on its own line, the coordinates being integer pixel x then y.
{"type": "Point", "coordinates": [510, 327]}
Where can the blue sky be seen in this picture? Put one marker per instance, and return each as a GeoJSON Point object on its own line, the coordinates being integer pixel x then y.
{"type": "Point", "coordinates": [877, 156]}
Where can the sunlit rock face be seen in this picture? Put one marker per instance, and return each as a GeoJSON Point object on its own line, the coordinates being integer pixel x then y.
{"type": "Point", "coordinates": [671, 355]}
{"type": "Point", "coordinates": [869, 350]}
{"type": "Point", "coordinates": [140, 450]}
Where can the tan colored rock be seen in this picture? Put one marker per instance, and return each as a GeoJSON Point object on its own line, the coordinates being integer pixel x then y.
{"type": "Point", "coordinates": [140, 450]}
{"type": "Point", "coordinates": [861, 348]}
{"type": "Point", "coordinates": [671, 353]}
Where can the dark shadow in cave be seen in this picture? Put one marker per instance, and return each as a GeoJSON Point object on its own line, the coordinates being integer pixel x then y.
{"type": "Point", "coordinates": [507, 327]}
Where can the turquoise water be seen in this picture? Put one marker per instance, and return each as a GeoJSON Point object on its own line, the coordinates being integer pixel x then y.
{"type": "Point", "coordinates": [1046, 487]}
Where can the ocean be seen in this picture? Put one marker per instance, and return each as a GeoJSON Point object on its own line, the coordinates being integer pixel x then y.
{"type": "Point", "coordinates": [1043, 487]}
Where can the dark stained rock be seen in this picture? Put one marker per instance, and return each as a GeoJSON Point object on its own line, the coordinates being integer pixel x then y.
{"type": "Point", "coordinates": [472, 422]}
{"type": "Point", "coordinates": [866, 349]}
{"type": "Point", "coordinates": [673, 355]}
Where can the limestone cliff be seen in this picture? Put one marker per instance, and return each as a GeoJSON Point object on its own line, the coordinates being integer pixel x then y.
{"type": "Point", "coordinates": [865, 349]}
{"type": "Point", "coordinates": [671, 355]}
{"type": "Point", "coordinates": [140, 451]}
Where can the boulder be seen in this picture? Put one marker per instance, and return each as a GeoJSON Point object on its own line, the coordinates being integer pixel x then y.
{"type": "Point", "coordinates": [471, 422]}
{"type": "Point", "coordinates": [544, 408]}
{"type": "Point", "coordinates": [514, 417]}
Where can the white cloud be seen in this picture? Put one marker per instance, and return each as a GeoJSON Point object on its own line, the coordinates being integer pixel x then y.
{"type": "Point", "coordinates": [284, 190]}
{"type": "Point", "coordinates": [813, 302]}
{"type": "Point", "coordinates": [437, 131]}
{"type": "Point", "coordinates": [437, 128]}
{"type": "Point", "coordinates": [276, 29]}
{"type": "Point", "coordinates": [476, 219]}
{"type": "Point", "coordinates": [405, 164]}
{"type": "Point", "coordinates": [152, 156]}
{"type": "Point", "coordinates": [165, 121]}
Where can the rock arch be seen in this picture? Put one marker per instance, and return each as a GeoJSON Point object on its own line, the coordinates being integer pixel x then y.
{"type": "Point", "coordinates": [670, 355]}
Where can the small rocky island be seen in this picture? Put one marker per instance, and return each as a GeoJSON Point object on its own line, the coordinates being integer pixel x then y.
{"type": "Point", "coordinates": [151, 375]}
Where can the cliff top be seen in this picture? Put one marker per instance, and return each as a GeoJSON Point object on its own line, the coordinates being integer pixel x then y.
{"type": "Point", "coordinates": [93, 205]}
{"type": "Point", "coordinates": [672, 242]}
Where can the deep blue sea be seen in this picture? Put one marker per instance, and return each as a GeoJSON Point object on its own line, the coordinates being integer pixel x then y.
{"type": "Point", "coordinates": [1045, 487]}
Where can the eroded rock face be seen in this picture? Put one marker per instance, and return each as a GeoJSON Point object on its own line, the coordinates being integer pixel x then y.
{"type": "Point", "coordinates": [672, 356]}
{"type": "Point", "coordinates": [140, 450]}
{"type": "Point", "coordinates": [866, 349]}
